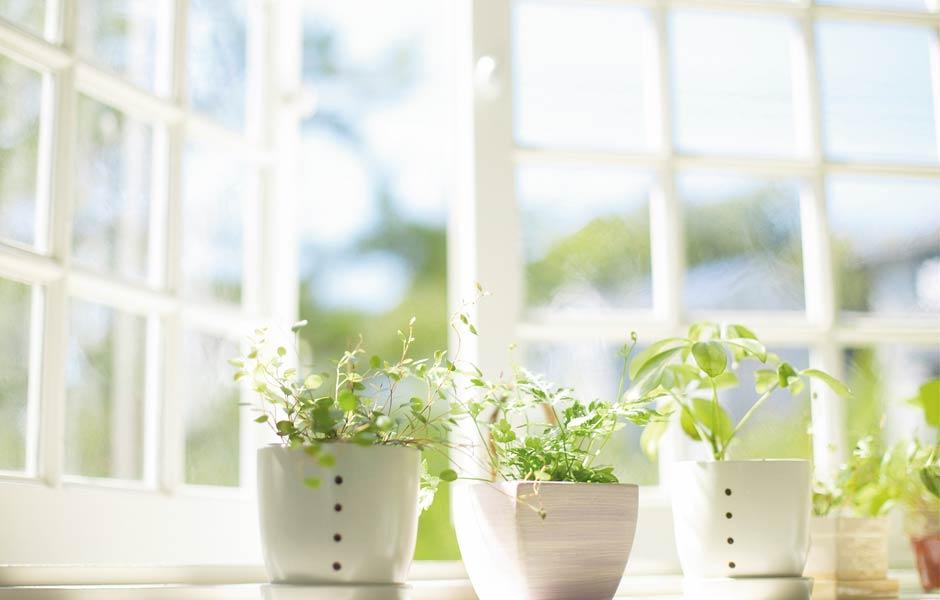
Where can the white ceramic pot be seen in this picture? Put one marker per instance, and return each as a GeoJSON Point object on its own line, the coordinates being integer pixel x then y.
{"type": "Point", "coordinates": [358, 527]}
{"type": "Point", "coordinates": [848, 549]}
{"type": "Point", "coordinates": [577, 552]}
{"type": "Point", "coordinates": [742, 518]}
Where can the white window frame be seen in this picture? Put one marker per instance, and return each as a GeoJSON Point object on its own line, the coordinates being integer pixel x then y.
{"type": "Point", "coordinates": [51, 518]}
{"type": "Point", "coordinates": [485, 233]}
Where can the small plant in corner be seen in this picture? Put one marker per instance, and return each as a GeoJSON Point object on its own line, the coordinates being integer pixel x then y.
{"type": "Point", "coordinates": [685, 376]}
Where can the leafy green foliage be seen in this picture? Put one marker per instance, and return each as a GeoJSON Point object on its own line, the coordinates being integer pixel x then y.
{"type": "Point", "coordinates": [874, 480]}
{"type": "Point", "coordinates": [928, 399]}
{"type": "Point", "coordinates": [541, 432]}
{"type": "Point", "coordinates": [362, 406]}
{"type": "Point", "coordinates": [683, 376]}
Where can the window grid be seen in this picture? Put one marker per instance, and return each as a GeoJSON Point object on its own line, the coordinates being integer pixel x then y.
{"type": "Point", "coordinates": [822, 328]}
{"type": "Point", "coordinates": [49, 264]}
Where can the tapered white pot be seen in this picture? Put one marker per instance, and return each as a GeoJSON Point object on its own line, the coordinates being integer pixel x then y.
{"type": "Point", "coordinates": [742, 518]}
{"type": "Point", "coordinates": [358, 527]}
{"type": "Point", "coordinates": [578, 551]}
{"type": "Point", "coordinates": [848, 549]}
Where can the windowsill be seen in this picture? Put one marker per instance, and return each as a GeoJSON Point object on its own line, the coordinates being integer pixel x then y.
{"type": "Point", "coordinates": [650, 587]}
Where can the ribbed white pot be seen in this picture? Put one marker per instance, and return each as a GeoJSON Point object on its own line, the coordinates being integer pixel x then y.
{"type": "Point", "coordinates": [358, 527]}
{"type": "Point", "coordinates": [742, 518]}
{"type": "Point", "coordinates": [848, 549]}
{"type": "Point", "coordinates": [577, 552]}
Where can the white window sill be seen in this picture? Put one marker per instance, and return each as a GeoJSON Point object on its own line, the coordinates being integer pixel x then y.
{"type": "Point", "coordinates": [638, 587]}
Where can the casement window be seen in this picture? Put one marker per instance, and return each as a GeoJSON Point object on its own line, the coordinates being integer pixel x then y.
{"type": "Point", "coordinates": [174, 173]}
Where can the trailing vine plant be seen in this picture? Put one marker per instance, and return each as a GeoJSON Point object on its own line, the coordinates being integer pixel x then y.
{"type": "Point", "coordinates": [684, 376]}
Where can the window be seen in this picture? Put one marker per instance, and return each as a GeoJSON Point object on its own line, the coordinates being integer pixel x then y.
{"type": "Point", "coordinates": [175, 173]}
{"type": "Point", "coordinates": [657, 175]}
{"type": "Point", "coordinates": [133, 184]}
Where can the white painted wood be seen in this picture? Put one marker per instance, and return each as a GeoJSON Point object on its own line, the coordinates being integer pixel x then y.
{"type": "Point", "coordinates": [742, 519]}
{"type": "Point", "coordinates": [545, 541]}
{"type": "Point", "coordinates": [359, 526]}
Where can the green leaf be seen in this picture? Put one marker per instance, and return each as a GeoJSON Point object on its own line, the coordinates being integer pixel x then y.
{"type": "Point", "coordinates": [653, 351]}
{"type": "Point", "coordinates": [347, 401]}
{"type": "Point", "coordinates": [384, 423]}
{"type": "Point", "coordinates": [261, 419]}
{"type": "Point", "coordinates": [764, 379]}
{"type": "Point", "coordinates": [239, 375]}
{"type": "Point", "coordinates": [375, 362]}
{"type": "Point", "coordinates": [651, 436]}
{"type": "Point", "coordinates": [703, 412]}
{"type": "Point", "coordinates": [313, 382]}
{"type": "Point", "coordinates": [928, 398]}
{"type": "Point", "coordinates": [327, 461]}
{"type": "Point", "coordinates": [448, 475]}
{"type": "Point", "coordinates": [785, 374]}
{"type": "Point", "coordinates": [312, 482]}
{"type": "Point", "coordinates": [281, 351]}
{"type": "Point", "coordinates": [752, 346]}
{"type": "Point", "coordinates": [710, 357]}
{"type": "Point", "coordinates": [236, 362]}
{"type": "Point", "coordinates": [930, 477]}
{"type": "Point", "coordinates": [834, 384]}
{"type": "Point", "coordinates": [298, 326]}
{"type": "Point", "coordinates": [739, 331]}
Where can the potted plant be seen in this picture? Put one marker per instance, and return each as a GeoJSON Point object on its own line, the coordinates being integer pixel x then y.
{"type": "Point", "coordinates": [548, 523]}
{"type": "Point", "coordinates": [917, 471]}
{"type": "Point", "coordinates": [733, 518]}
{"type": "Point", "coordinates": [339, 497]}
{"type": "Point", "coordinates": [849, 529]}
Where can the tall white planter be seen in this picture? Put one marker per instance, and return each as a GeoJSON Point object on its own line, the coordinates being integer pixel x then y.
{"type": "Point", "coordinates": [358, 527]}
{"type": "Point", "coordinates": [577, 552]}
{"type": "Point", "coordinates": [742, 518]}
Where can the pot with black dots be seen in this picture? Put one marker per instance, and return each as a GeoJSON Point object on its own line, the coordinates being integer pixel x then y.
{"type": "Point", "coordinates": [351, 523]}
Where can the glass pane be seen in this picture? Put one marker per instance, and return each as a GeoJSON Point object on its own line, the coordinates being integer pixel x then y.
{"type": "Point", "coordinates": [372, 227]}
{"type": "Point", "coordinates": [15, 298]}
{"type": "Point", "coordinates": [20, 100]}
{"type": "Point", "coordinates": [112, 212]}
{"type": "Point", "coordinates": [586, 236]}
{"type": "Point", "coordinates": [886, 243]}
{"type": "Point", "coordinates": [105, 392]}
{"type": "Point", "coordinates": [122, 35]}
{"type": "Point", "coordinates": [579, 76]}
{"type": "Point", "coordinates": [211, 410]}
{"type": "Point", "coordinates": [593, 370]}
{"type": "Point", "coordinates": [727, 100]}
{"type": "Point", "coordinates": [217, 59]}
{"type": "Point", "coordinates": [217, 192]}
{"type": "Point", "coordinates": [883, 378]}
{"type": "Point", "coordinates": [28, 14]}
{"type": "Point", "coordinates": [875, 83]}
{"type": "Point", "coordinates": [743, 248]}
{"type": "Point", "coordinates": [780, 428]}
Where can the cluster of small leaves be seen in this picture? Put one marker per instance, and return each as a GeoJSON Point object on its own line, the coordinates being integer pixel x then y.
{"type": "Point", "coordinates": [541, 432]}
{"type": "Point", "coordinates": [874, 480]}
{"type": "Point", "coordinates": [683, 376]}
{"type": "Point", "coordinates": [360, 402]}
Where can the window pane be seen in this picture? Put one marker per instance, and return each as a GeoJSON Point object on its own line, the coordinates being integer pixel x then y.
{"type": "Point", "coordinates": [593, 370]}
{"type": "Point", "coordinates": [211, 408]}
{"type": "Point", "coordinates": [217, 58]}
{"type": "Point", "coordinates": [882, 379]}
{"type": "Point", "coordinates": [122, 35]}
{"type": "Point", "coordinates": [28, 14]}
{"type": "Point", "coordinates": [112, 213]}
{"type": "Point", "coordinates": [217, 192]}
{"type": "Point", "coordinates": [20, 100]}
{"type": "Point", "coordinates": [729, 100]}
{"type": "Point", "coordinates": [15, 298]}
{"type": "Point", "coordinates": [876, 92]}
{"type": "Point", "coordinates": [780, 428]}
{"type": "Point", "coordinates": [105, 392]}
{"type": "Point", "coordinates": [586, 236]}
{"type": "Point", "coordinates": [743, 247]}
{"type": "Point", "coordinates": [579, 76]}
{"type": "Point", "coordinates": [886, 243]}
{"type": "Point", "coordinates": [373, 243]}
